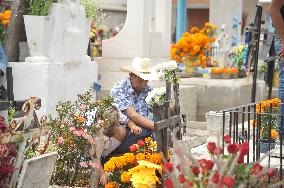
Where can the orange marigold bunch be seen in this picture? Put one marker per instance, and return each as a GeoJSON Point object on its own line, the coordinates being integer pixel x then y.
{"type": "Point", "coordinates": [5, 17]}
{"type": "Point", "coordinates": [191, 47]}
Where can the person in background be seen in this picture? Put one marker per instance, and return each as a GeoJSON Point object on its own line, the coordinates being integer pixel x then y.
{"type": "Point", "coordinates": [277, 15]}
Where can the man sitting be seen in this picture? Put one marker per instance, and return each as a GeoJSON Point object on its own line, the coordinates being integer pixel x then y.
{"type": "Point", "coordinates": [129, 96]}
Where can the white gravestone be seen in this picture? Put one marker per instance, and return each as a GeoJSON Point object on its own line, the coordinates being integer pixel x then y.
{"type": "Point", "coordinates": [67, 71]}
{"type": "Point", "coordinates": [37, 171]}
{"type": "Point", "coordinates": [146, 33]}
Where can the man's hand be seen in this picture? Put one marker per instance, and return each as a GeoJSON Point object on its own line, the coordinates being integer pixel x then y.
{"type": "Point", "coordinates": [139, 119]}
{"type": "Point", "coordinates": [135, 129]}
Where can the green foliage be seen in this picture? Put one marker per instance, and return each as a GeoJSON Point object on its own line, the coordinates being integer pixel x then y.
{"type": "Point", "coordinates": [38, 7]}
{"type": "Point", "coordinates": [11, 113]}
{"type": "Point", "coordinates": [92, 8]}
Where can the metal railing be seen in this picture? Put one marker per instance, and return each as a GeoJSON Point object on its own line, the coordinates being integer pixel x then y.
{"type": "Point", "coordinates": [245, 123]}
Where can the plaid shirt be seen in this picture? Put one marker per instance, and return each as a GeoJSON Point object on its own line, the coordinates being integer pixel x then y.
{"type": "Point", "coordinates": [125, 97]}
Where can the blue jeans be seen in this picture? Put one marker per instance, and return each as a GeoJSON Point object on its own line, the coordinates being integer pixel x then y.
{"type": "Point", "coordinates": [3, 59]}
{"type": "Point", "coordinates": [278, 46]}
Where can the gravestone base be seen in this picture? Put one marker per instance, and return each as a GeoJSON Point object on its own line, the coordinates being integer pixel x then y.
{"type": "Point", "coordinates": [52, 82]}
{"type": "Point", "coordinates": [216, 95]}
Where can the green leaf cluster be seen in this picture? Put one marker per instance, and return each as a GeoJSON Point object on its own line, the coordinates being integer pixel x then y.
{"type": "Point", "coordinates": [38, 7]}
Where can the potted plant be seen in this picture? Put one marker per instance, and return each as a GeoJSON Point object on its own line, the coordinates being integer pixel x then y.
{"type": "Point", "coordinates": [269, 123]}
{"type": "Point", "coordinates": [38, 27]}
{"type": "Point", "coordinates": [216, 73]}
{"type": "Point", "coordinates": [226, 74]}
{"type": "Point", "coordinates": [239, 57]}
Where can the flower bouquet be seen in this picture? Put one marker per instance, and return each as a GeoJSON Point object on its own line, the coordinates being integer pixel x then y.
{"type": "Point", "coordinates": [7, 156]}
{"type": "Point", "coordinates": [268, 122]}
{"type": "Point", "coordinates": [79, 140]}
{"type": "Point", "coordinates": [165, 71]}
{"type": "Point", "coordinates": [156, 97]}
{"type": "Point", "coordinates": [239, 57]}
{"type": "Point", "coordinates": [225, 168]}
{"type": "Point", "coordinates": [140, 168]}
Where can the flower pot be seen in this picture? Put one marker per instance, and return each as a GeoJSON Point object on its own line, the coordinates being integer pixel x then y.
{"type": "Point", "coordinates": [215, 76]}
{"type": "Point", "coordinates": [264, 145]}
{"type": "Point", "coordinates": [39, 30]}
{"type": "Point", "coordinates": [226, 76]}
{"type": "Point", "coordinates": [234, 76]}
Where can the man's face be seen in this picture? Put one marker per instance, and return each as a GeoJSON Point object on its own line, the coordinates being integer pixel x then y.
{"type": "Point", "coordinates": [138, 83]}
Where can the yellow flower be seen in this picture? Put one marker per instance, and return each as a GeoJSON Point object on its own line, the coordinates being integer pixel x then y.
{"type": "Point", "coordinates": [148, 140]}
{"type": "Point", "coordinates": [140, 156]}
{"type": "Point", "coordinates": [129, 158]}
{"type": "Point", "coordinates": [111, 185]}
{"type": "Point", "coordinates": [274, 134]}
{"type": "Point", "coordinates": [125, 177]}
{"type": "Point", "coordinates": [144, 175]}
{"type": "Point", "coordinates": [109, 166]}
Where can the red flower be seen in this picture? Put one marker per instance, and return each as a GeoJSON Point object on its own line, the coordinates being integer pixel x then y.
{"type": "Point", "coordinates": [271, 172]}
{"type": "Point", "coordinates": [195, 171]}
{"type": "Point", "coordinates": [228, 181]}
{"type": "Point", "coordinates": [178, 167]}
{"type": "Point", "coordinates": [209, 164]}
{"type": "Point", "coordinates": [218, 151]}
{"type": "Point", "coordinates": [215, 178]}
{"type": "Point", "coordinates": [233, 148]}
{"type": "Point", "coordinates": [133, 148]}
{"type": "Point", "coordinates": [168, 166]}
{"type": "Point", "coordinates": [189, 184]}
{"type": "Point", "coordinates": [181, 178]}
{"type": "Point", "coordinates": [202, 163]}
{"type": "Point", "coordinates": [211, 146]}
{"type": "Point", "coordinates": [241, 159]}
{"type": "Point", "coordinates": [169, 183]}
{"type": "Point", "coordinates": [244, 148]}
{"type": "Point", "coordinates": [227, 139]}
{"type": "Point", "coordinates": [256, 168]}
{"type": "Point", "coordinates": [141, 143]}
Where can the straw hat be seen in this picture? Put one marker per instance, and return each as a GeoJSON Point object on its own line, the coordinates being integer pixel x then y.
{"type": "Point", "coordinates": [141, 67]}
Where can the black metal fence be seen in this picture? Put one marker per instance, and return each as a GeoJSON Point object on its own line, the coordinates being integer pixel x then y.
{"type": "Point", "coordinates": [246, 123]}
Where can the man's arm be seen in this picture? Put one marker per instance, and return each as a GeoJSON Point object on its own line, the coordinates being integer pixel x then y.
{"type": "Point", "coordinates": [139, 119]}
{"type": "Point", "coordinates": [278, 20]}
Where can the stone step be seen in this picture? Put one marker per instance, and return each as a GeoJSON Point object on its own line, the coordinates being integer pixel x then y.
{"type": "Point", "coordinates": [196, 125]}
{"type": "Point", "coordinates": [193, 141]}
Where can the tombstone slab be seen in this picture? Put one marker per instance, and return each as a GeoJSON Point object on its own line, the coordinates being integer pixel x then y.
{"type": "Point", "coordinates": [37, 171]}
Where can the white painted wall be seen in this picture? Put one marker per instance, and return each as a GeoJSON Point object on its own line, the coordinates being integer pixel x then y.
{"type": "Point", "coordinates": [52, 82]}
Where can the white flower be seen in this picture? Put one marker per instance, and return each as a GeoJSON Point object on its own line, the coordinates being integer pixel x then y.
{"type": "Point", "coordinates": [156, 96]}
{"type": "Point", "coordinates": [165, 68]}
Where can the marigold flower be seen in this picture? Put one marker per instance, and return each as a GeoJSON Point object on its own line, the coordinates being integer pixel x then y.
{"type": "Point", "coordinates": [111, 185]}
{"type": "Point", "coordinates": [125, 177]}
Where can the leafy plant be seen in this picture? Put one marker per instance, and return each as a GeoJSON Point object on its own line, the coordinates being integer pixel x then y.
{"type": "Point", "coordinates": [92, 8]}
{"type": "Point", "coordinates": [38, 7]}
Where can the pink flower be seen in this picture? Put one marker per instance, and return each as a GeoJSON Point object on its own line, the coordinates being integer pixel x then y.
{"type": "Point", "coordinates": [79, 133]}
{"type": "Point", "coordinates": [94, 164]}
{"type": "Point", "coordinates": [83, 107]}
{"type": "Point", "coordinates": [60, 140]}
{"type": "Point", "coordinates": [72, 129]}
{"type": "Point", "coordinates": [84, 164]}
